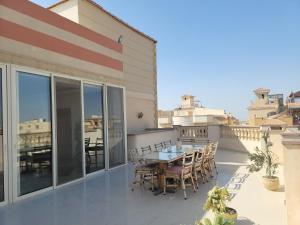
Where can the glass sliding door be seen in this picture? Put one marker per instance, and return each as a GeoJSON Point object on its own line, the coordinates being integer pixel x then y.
{"type": "Point", "coordinates": [34, 135]}
{"type": "Point", "coordinates": [2, 194]}
{"type": "Point", "coordinates": [115, 113]}
{"type": "Point", "coordinates": [69, 130]}
{"type": "Point", "coordinates": [93, 128]}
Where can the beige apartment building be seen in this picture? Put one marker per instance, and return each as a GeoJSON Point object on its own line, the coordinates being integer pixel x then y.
{"type": "Point", "coordinates": [190, 113]}
{"type": "Point", "coordinates": [268, 109]}
{"type": "Point", "coordinates": [74, 80]}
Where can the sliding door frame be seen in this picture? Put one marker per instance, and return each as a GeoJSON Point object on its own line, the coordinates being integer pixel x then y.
{"type": "Point", "coordinates": [4, 68]}
{"type": "Point", "coordinates": [10, 124]}
{"type": "Point", "coordinates": [94, 83]}
{"type": "Point", "coordinates": [58, 75]}
{"type": "Point", "coordinates": [14, 111]}
{"type": "Point", "coordinates": [124, 125]}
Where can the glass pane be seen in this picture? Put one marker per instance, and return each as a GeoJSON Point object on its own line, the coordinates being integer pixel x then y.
{"type": "Point", "coordinates": [93, 124]}
{"type": "Point", "coordinates": [69, 130]}
{"type": "Point", "coordinates": [1, 144]}
{"type": "Point", "coordinates": [115, 126]}
{"type": "Point", "coordinates": [34, 132]}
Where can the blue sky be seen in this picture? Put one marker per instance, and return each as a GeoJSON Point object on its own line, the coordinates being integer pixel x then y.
{"type": "Point", "coordinates": [218, 50]}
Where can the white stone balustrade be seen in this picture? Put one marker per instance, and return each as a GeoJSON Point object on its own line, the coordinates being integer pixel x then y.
{"type": "Point", "coordinates": [241, 132]}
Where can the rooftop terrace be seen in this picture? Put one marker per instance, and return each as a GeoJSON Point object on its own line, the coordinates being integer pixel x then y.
{"type": "Point", "coordinates": [107, 199]}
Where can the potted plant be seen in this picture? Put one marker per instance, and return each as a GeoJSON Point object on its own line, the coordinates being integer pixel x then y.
{"type": "Point", "coordinates": [216, 201]}
{"type": "Point", "coordinates": [265, 158]}
{"type": "Point", "coordinates": [218, 220]}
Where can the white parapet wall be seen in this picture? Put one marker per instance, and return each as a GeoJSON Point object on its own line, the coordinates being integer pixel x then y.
{"type": "Point", "coordinates": [150, 137]}
{"type": "Point", "coordinates": [240, 138]}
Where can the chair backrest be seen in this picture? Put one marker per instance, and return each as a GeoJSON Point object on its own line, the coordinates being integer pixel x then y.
{"type": "Point", "coordinates": [99, 142]}
{"type": "Point", "coordinates": [187, 164]}
{"type": "Point", "coordinates": [146, 149]}
{"type": "Point", "coordinates": [87, 142]}
{"type": "Point", "coordinates": [215, 148]}
{"type": "Point", "coordinates": [167, 144]}
{"type": "Point", "coordinates": [133, 154]}
{"type": "Point", "coordinates": [159, 147]}
{"type": "Point", "coordinates": [198, 156]}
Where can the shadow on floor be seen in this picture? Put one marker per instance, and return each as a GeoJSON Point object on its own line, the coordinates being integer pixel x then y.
{"type": "Point", "coordinates": [245, 221]}
{"type": "Point", "coordinates": [281, 188]}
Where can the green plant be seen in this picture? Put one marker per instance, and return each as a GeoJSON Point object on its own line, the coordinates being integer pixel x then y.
{"type": "Point", "coordinates": [216, 200]}
{"type": "Point", "coordinates": [264, 158]}
{"type": "Point", "coordinates": [218, 220]}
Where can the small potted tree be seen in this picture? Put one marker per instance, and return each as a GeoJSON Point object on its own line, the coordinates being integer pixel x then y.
{"type": "Point", "coordinates": [265, 158]}
{"type": "Point", "coordinates": [216, 201]}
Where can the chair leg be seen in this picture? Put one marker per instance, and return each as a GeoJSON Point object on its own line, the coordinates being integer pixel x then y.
{"type": "Point", "coordinates": [196, 179]}
{"type": "Point", "coordinates": [164, 184]}
{"type": "Point", "coordinates": [152, 182]}
{"type": "Point", "coordinates": [216, 167]}
{"type": "Point", "coordinates": [183, 188]}
{"type": "Point", "coordinates": [203, 176]}
{"type": "Point", "coordinates": [134, 182]}
{"type": "Point", "coordinates": [193, 183]}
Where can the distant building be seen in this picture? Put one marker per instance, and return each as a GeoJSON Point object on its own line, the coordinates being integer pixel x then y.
{"type": "Point", "coordinates": [293, 105]}
{"type": "Point", "coordinates": [269, 110]}
{"type": "Point", "coordinates": [264, 106]}
{"type": "Point", "coordinates": [190, 113]}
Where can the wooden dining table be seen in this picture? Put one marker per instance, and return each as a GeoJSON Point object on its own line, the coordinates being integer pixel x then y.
{"type": "Point", "coordinates": [167, 156]}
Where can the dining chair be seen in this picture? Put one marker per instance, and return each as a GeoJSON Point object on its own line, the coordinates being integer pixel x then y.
{"type": "Point", "coordinates": [180, 174]}
{"type": "Point", "coordinates": [206, 163]}
{"type": "Point", "coordinates": [214, 148]}
{"type": "Point", "coordinates": [147, 149]}
{"type": "Point", "coordinates": [159, 147]}
{"type": "Point", "coordinates": [142, 170]}
{"type": "Point", "coordinates": [198, 167]}
{"type": "Point", "coordinates": [86, 148]}
{"type": "Point", "coordinates": [167, 144]}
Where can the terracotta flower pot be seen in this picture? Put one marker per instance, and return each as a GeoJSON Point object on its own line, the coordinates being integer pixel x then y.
{"type": "Point", "coordinates": [271, 183]}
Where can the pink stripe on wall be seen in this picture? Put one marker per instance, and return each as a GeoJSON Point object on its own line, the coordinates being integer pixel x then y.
{"type": "Point", "coordinates": [25, 35]}
{"type": "Point", "coordinates": [30, 9]}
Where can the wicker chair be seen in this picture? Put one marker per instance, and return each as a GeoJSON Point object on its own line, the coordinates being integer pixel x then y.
{"type": "Point", "coordinates": [206, 163]}
{"type": "Point", "coordinates": [142, 170]}
{"type": "Point", "coordinates": [214, 148]}
{"type": "Point", "coordinates": [179, 174]}
{"type": "Point", "coordinates": [159, 147]}
{"type": "Point", "coordinates": [198, 167]}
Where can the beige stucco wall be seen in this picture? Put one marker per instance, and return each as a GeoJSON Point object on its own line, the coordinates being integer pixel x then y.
{"type": "Point", "coordinates": [258, 113]}
{"type": "Point", "coordinates": [138, 56]}
{"type": "Point", "coordinates": [246, 146]}
{"type": "Point", "coordinates": [139, 61]}
{"type": "Point", "coordinates": [19, 53]}
{"type": "Point", "coordinates": [69, 10]}
{"type": "Point", "coordinates": [277, 148]}
{"type": "Point", "coordinates": [291, 153]}
{"type": "Point", "coordinates": [142, 139]}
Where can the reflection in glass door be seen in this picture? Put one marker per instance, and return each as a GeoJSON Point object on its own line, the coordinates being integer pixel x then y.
{"type": "Point", "coordinates": [34, 135]}
{"type": "Point", "coordinates": [2, 198]}
{"type": "Point", "coordinates": [115, 115]}
{"type": "Point", "coordinates": [69, 130]}
{"type": "Point", "coordinates": [93, 128]}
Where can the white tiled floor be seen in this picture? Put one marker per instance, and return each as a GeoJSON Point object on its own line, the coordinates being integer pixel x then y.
{"type": "Point", "coordinates": [107, 200]}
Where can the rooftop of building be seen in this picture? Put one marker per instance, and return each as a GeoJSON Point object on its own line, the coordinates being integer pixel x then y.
{"type": "Point", "coordinates": [295, 94]}
{"type": "Point", "coordinates": [261, 90]}
{"type": "Point", "coordinates": [110, 14]}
